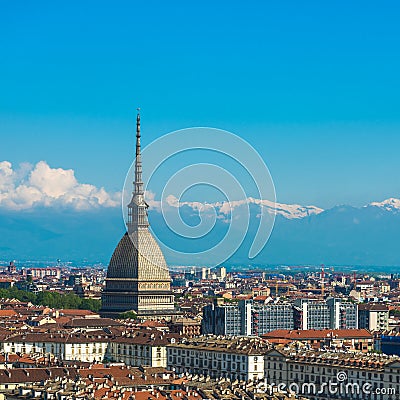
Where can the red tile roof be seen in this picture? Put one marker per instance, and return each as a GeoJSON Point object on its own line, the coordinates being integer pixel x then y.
{"type": "Point", "coordinates": [373, 307]}
{"type": "Point", "coordinates": [76, 312]}
{"type": "Point", "coordinates": [7, 313]}
{"type": "Point", "coordinates": [319, 334]}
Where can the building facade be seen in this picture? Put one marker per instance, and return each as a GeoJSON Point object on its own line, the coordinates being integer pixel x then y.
{"type": "Point", "coordinates": [374, 317]}
{"type": "Point", "coordinates": [312, 314]}
{"type": "Point", "coordinates": [343, 314]}
{"type": "Point", "coordinates": [43, 272]}
{"type": "Point", "coordinates": [332, 313]}
{"type": "Point", "coordinates": [218, 357]}
{"type": "Point", "coordinates": [220, 319]}
{"type": "Point", "coordinates": [270, 317]}
{"type": "Point", "coordinates": [246, 318]}
{"type": "Point", "coordinates": [134, 349]}
{"type": "Point", "coordinates": [253, 318]}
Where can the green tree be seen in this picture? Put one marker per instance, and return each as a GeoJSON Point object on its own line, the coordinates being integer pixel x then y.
{"type": "Point", "coordinates": [52, 299]}
{"type": "Point", "coordinates": [90, 304]}
{"type": "Point", "coordinates": [127, 315]}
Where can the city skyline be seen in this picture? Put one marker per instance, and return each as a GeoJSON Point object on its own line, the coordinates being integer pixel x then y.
{"type": "Point", "coordinates": [199, 200]}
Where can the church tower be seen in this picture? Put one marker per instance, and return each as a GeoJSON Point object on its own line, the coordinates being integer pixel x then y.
{"type": "Point", "coordinates": [138, 278]}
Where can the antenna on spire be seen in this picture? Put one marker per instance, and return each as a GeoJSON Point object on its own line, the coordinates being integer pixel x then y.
{"type": "Point", "coordinates": [138, 161]}
{"type": "Point", "coordinates": [138, 122]}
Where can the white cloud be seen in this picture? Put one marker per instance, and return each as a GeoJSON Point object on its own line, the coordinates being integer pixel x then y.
{"type": "Point", "coordinates": [53, 182]}
{"type": "Point", "coordinates": [40, 185]}
{"type": "Point", "coordinates": [151, 201]}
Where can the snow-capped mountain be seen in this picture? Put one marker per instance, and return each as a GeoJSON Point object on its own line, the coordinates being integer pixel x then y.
{"type": "Point", "coordinates": [391, 204]}
{"type": "Point", "coordinates": [344, 234]}
{"type": "Point", "coordinates": [289, 211]}
{"type": "Point", "coordinates": [295, 211]}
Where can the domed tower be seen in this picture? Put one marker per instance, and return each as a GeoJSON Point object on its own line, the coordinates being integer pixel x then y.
{"type": "Point", "coordinates": [138, 278]}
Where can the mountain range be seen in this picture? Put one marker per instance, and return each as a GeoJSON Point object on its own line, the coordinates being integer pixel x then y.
{"type": "Point", "coordinates": [302, 235]}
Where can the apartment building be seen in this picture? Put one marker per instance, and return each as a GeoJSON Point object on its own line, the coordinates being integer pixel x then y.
{"type": "Point", "coordinates": [141, 348]}
{"type": "Point", "coordinates": [63, 346]}
{"type": "Point", "coordinates": [222, 319]}
{"type": "Point", "coordinates": [270, 317]}
{"type": "Point", "coordinates": [134, 348]}
{"type": "Point", "coordinates": [332, 313]}
{"type": "Point", "coordinates": [246, 318]}
{"type": "Point", "coordinates": [373, 316]}
{"type": "Point", "coordinates": [253, 318]}
{"type": "Point", "coordinates": [215, 356]}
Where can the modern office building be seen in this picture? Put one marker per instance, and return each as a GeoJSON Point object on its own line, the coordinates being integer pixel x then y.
{"type": "Point", "coordinates": [332, 313]}
{"type": "Point", "coordinates": [270, 317]}
{"type": "Point", "coordinates": [374, 317]}
{"type": "Point", "coordinates": [252, 318]}
{"type": "Point", "coordinates": [246, 318]}
{"type": "Point", "coordinates": [221, 319]}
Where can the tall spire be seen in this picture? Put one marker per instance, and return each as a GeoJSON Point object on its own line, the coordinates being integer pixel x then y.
{"type": "Point", "coordinates": [137, 208]}
{"type": "Point", "coordinates": [138, 160]}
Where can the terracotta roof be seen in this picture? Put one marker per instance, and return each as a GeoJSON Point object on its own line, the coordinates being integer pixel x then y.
{"type": "Point", "coordinates": [153, 324]}
{"type": "Point", "coordinates": [318, 334]}
{"type": "Point", "coordinates": [147, 396]}
{"type": "Point", "coordinates": [151, 337]}
{"type": "Point", "coordinates": [240, 345]}
{"type": "Point", "coordinates": [373, 362]}
{"type": "Point", "coordinates": [30, 375]}
{"type": "Point", "coordinates": [63, 320]}
{"type": "Point", "coordinates": [11, 358]}
{"type": "Point", "coordinates": [373, 307]}
{"type": "Point", "coordinates": [128, 376]}
{"type": "Point", "coordinates": [7, 313]}
{"type": "Point", "coordinates": [76, 312]}
{"type": "Point", "coordinates": [91, 322]}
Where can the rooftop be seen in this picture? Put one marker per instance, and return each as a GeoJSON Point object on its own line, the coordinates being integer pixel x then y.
{"type": "Point", "coordinates": [226, 344]}
{"type": "Point", "coordinates": [319, 334]}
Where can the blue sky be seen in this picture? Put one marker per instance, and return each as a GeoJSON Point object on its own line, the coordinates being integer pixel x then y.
{"type": "Point", "coordinates": [313, 86]}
